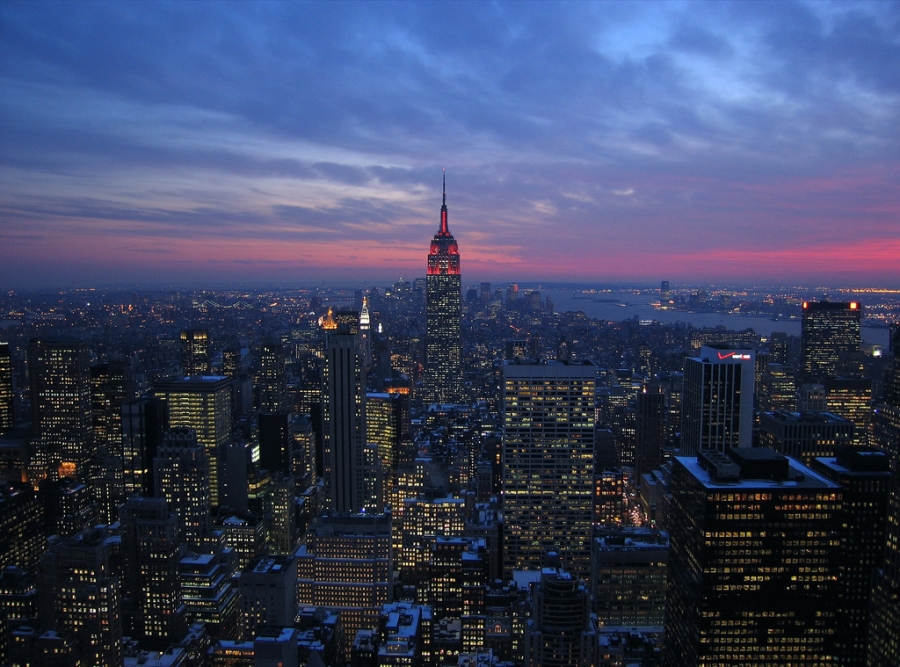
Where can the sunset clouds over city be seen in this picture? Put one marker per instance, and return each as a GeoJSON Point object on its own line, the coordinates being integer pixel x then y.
{"type": "Point", "coordinates": [283, 143]}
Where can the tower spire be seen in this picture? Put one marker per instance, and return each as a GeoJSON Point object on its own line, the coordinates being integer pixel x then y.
{"type": "Point", "coordinates": [445, 231]}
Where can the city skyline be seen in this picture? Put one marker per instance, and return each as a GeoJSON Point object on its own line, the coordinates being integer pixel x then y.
{"type": "Point", "coordinates": [285, 143]}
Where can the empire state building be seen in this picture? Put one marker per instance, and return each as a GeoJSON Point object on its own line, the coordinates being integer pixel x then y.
{"type": "Point", "coordinates": [443, 374]}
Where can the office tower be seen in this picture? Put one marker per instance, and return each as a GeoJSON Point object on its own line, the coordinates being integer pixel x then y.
{"type": "Point", "coordinates": [628, 576]}
{"type": "Point", "coordinates": [181, 475]}
{"type": "Point", "coordinates": [457, 576]}
{"type": "Point", "coordinates": [443, 342]}
{"type": "Point", "coordinates": [151, 595]}
{"type": "Point", "coordinates": [548, 462]}
{"type": "Point", "coordinates": [717, 405]}
{"type": "Point", "coordinates": [864, 476]}
{"type": "Point", "coordinates": [751, 563]}
{"type": "Point", "coordinates": [208, 594]}
{"type": "Point", "coordinates": [777, 389]}
{"type": "Point", "coordinates": [18, 605]}
{"type": "Point", "coordinates": [271, 382]}
{"type": "Point", "coordinates": [111, 387]}
{"type": "Point", "coordinates": [304, 451]}
{"type": "Point", "coordinates": [423, 521]}
{"type": "Point", "coordinates": [21, 525]}
{"type": "Point", "coordinates": [203, 404]}
{"type": "Point", "coordinates": [384, 425]}
{"type": "Point", "coordinates": [664, 292]}
{"type": "Point", "coordinates": [884, 619]}
{"type": "Point", "coordinates": [281, 515]}
{"type": "Point", "coordinates": [245, 534]}
{"type": "Point", "coordinates": [69, 507]}
{"type": "Point", "coordinates": [79, 594]}
{"type": "Point", "coordinates": [195, 355]}
{"type": "Point", "coordinates": [404, 634]}
{"type": "Point", "coordinates": [365, 332]}
{"type": "Point", "coordinates": [609, 497]}
{"type": "Point", "coordinates": [346, 564]}
{"type": "Point", "coordinates": [268, 592]}
{"type": "Point", "coordinates": [143, 424]}
{"type": "Point", "coordinates": [59, 370]}
{"type": "Point", "coordinates": [344, 415]}
{"type": "Point", "coordinates": [804, 435]}
{"type": "Point", "coordinates": [276, 441]}
{"type": "Point", "coordinates": [851, 398]}
{"type": "Point", "coordinates": [562, 631]}
{"type": "Point", "coordinates": [650, 429]}
{"type": "Point", "coordinates": [829, 339]}
{"type": "Point", "coordinates": [7, 393]}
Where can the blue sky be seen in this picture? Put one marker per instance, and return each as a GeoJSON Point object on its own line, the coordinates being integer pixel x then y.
{"type": "Point", "coordinates": [284, 143]}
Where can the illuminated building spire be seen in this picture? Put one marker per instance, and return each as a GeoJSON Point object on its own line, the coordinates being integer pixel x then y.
{"type": "Point", "coordinates": [445, 231]}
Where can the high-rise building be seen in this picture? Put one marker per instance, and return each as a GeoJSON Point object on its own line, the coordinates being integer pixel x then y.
{"type": "Point", "coordinates": [59, 369]}
{"type": "Point", "coordinates": [548, 462]}
{"type": "Point", "coordinates": [562, 631]}
{"type": "Point", "coordinates": [21, 525]}
{"type": "Point", "coordinates": [717, 404]}
{"type": "Point", "coordinates": [650, 429]}
{"type": "Point", "coordinates": [443, 338]}
{"type": "Point", "coordinates": [804, 435]}
{"type": "Point", "coordinates": [152, 606]}
{"type": "Point", "coordinates": [143, 424]}
{"type": "Point", "coordinates": [751, 563]}
{"type": "Point", "coordinates": [268, 588]}
{"type": "Point", "coordinates": [346, 564]}
{"type": "Point", "coordinates": [80, 594]}
{"type": "Point", "coordinates": [195, 356]}
{"type": "Point", "coordinates": [203, 404]}
{"type": "Point", "coordinates": [271, 383]}
{"type": "Point", "coordinates": [181, 476]}
{"type": "Point", "coordinates": [7, 393]}
{"type": "Point", "coordinates": [829, 339]}
{"type": "Point", "coordinates": [851, 398]}
{"type": "Point", "coordinates": [864, 476]}
{"type": "Point", "coordinates": [384, 424]}
{"type": "Point", "coordinates": [628, 582]}
{"type": "Point", "coordinates": [344, 415]}
{"type": "Point", "coordinates": [884, 619]}
{"type": "Point", "coordinates": [209, 595]}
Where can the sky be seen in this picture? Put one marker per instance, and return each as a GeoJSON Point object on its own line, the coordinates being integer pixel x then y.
{"type": "Point", "coordinates": [290, 143]}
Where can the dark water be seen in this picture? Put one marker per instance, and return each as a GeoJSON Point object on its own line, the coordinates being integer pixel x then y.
{"type": "Point", "coordinates": [618, 306]}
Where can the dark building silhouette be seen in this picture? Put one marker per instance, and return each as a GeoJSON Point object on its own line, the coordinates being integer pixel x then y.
{"type": "Point", "coordinates": [344, 414]}
{"type": "Point", "coordinates": [443, 341]}
{"type": "Point", "coordinates": [143, 424]}
{"type": "Point", "coordinates": [864, 477]}
{"type": "Point", "coordinates": [829, 339]}
{"type": "Point", "coordinates": [752, 561]}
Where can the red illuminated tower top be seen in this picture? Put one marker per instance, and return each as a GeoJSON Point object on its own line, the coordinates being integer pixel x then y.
{"type": "Point", "coordinates": [443, 258]}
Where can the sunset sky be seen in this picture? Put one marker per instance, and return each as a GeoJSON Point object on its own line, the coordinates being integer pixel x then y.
{"type": "Point", "coordinates": [253, 143]}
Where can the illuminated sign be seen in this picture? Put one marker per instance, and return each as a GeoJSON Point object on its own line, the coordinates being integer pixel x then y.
{"type": "Point", "coordinates": [734, 355]}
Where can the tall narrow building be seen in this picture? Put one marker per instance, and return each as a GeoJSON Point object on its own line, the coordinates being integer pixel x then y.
{"type": "Point", "coordinates": [344, 415]}
{"type": "Point", "coordinates": [201, 403]}
{"type": "Point", "coordinates": [548, 463]}
{"type": "Point", "coordinates": [829, 339]}
{"type": "Point", "coordinates": [443, 338]}
{"type": "Point", "coordinates": [195, 357]}
{"type": "Point", "coordinates": [7, 395]}
{"type": "Point", "coordinates": [61, 420]}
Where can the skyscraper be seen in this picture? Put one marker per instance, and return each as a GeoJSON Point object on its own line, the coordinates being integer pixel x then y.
{"type": "Point", "coordinates": [829, 338]}
{"type": "Point", "coordinates": [201, 403]}
{"type": "Point", "coordinates": [7, 395]}
{"type": "Point", "coordinates": [181, 476]}
{"type": "Point", "coordinates": [548, 462]}
{"type": "Point", "coordinates": [443, 342]}
{"type": "Point", "coordinates": [59, 369]}
{"type": "Point", "coordinates": [717, 405]}
{"type": "Point", "coordinates": [195, 357]}
{"type": "Point", "coordinates": [751, 567]}
{"type": "Point", "coordinates": [151, 554]}
{"type": "Point", "coordinates": [344, 416]}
